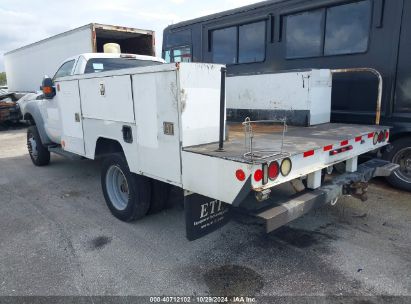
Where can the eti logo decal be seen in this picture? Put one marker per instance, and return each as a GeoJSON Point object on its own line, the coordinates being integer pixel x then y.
{"type": "Point", "coordinates": [210, 208]}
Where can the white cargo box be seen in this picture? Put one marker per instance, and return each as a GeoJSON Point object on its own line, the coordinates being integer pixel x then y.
{"type": "Point", "coordinates": [303, 97]}
{"type": "Point", "coordinates": [166, 107]}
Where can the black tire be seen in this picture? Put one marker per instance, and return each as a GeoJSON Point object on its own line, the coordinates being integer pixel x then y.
{"type": "Point", "coordinates": [39, 154]}
{"type": "Point", "coordinates": [399, 153]}
{"type": "Point", "coordinates": [133, 193]}
{"type": "Point", "coordinates": [160, 193]}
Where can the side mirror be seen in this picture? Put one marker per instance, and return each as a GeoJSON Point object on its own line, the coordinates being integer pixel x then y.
{"type": "Point", "coordinates": [47, 87]}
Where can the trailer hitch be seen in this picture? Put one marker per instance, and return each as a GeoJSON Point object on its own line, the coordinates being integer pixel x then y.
{"type": "Point", "coordinates": [357, 190]}
{"type": "Point", "coordinates": [354, 184]}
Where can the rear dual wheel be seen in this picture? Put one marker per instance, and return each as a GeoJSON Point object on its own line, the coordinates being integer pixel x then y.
{"type": "Point", "coordinates": [130, 196]}
{"type": "Point", "coordinates": [127, 194]}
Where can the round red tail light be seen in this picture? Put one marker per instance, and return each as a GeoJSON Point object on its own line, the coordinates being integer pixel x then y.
{"type": "Point", "coordinates": [387, 134]}
{"type": "Point", "coordinates": [240, 175]}
{"type": "Point", "coordinates": [273, 171]}
{"type": "Point", "coordinates": [381, 137]}
{"type": "Point", "coordinates": [258, 175]}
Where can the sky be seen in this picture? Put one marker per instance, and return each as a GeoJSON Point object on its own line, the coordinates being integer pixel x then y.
{"type": "Point", "coordinates": [25, 21]}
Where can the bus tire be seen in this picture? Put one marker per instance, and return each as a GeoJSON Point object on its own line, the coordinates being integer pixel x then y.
{"type": "Point", "coordinates": [400, 153]}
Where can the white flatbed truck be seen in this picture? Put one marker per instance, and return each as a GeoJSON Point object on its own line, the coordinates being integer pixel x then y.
{"type": "Point", "coordinates": [165, 125]}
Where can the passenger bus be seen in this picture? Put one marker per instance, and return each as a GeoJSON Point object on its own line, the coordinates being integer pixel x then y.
{"type": "Point", "coordinates": [280, 35]}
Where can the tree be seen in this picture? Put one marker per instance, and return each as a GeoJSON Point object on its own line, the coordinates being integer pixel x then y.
{"type": "Point", "coordinates": [3, 78]}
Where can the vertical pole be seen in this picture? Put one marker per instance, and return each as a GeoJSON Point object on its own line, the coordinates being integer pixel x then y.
{"type": "Point", "coordinates": [222, 109]}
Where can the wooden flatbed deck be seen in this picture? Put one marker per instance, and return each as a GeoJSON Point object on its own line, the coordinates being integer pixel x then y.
{"type": "Point", "coordinates": [297, 140]}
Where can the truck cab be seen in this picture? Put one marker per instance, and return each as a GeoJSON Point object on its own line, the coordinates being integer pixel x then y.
{"type": "Point", "coordinates": [47, 107]}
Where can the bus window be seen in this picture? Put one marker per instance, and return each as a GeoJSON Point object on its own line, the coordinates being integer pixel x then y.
{"type": "Point", "coordinates": [167, 56]}
{"type": "Point", "coordinates": [225, 45]}
{"type": "Point", "coordinates": [177, 46]}
{"type": "Point", "coordinates": [182, 54]}
{"type": "Point", "coordinates": [347, 28]}
{"type": "Point", "coordinates": [239, 44]}
{"type": "Point", "coordinates": [178, 54]}
{"type": "Point", "coordinates": [251, 46]}
{"type": "Point", "coordinates": [304, 34]}
{"type": "Point", "coordinates": [403, 86]}
{"type": "Point", "coordinates": [179, 38]}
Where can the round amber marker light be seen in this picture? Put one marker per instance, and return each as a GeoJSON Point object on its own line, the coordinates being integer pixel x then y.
{"type": "Point", "coordinates": [286, 167]}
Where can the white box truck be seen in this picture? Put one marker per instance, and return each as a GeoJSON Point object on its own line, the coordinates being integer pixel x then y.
{"type": "Point", "coordinates": [26, 66]}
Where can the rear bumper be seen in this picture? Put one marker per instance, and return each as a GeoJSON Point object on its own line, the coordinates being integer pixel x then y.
{"type": "Point", "coordinates": [288, 211]}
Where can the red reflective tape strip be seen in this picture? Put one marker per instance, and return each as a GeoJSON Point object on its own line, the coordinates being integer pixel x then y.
{"type": "Point", "coordinates": [344, 143]}
{"type": "Point", "coordinates": [309, 153]}
{"type": "Point", "coordinates": [328, 148]}
{"type": "Point", "coordinates": [371, 135]}
{"type": "Point", "coordinates": [358, 139]}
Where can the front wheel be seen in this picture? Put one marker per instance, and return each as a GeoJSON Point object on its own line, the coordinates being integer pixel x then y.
{"type": "Point", "coordinates": [127, 194]}
{"type": "Point", "coordinates": [400, 154]}
{"type": "Point", "coordinates": [39, 154]}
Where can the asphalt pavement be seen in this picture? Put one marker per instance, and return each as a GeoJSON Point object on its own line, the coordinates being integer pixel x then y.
{"type": "Point", "coordinates": [57, 238]}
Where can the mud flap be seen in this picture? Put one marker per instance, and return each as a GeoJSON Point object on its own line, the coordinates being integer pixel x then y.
{"type": "Point", "coordinates": [204, 215]}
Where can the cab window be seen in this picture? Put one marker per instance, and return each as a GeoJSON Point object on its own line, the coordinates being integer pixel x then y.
{"type": "Point", "coordinates": [96, 65]}
{"type": "Point", "coordinates": [65, 69]}
{"type": "Point", "coordinates": [80, 66]}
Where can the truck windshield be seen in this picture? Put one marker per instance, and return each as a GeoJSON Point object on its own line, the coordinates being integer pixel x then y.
{"type": "Point", "coordinates": [96, 65]}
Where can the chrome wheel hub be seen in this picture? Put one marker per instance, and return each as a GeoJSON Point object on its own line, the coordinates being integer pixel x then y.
{"type": "Point", "coordinates": [32, 147]}
{"type": "Point", "coordinates": [117, 187]}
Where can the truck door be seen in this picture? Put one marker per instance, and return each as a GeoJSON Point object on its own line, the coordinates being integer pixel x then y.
{"type": "Point", "coordinates": [402, 107]}
{"type": "Point", "coordinates": [50, 108]}
{"type": "Point", "coordinates": [68, 94]}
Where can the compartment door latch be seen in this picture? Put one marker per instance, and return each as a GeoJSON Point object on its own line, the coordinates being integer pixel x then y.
{"type": "Point", "coordinates": [127, 134]}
